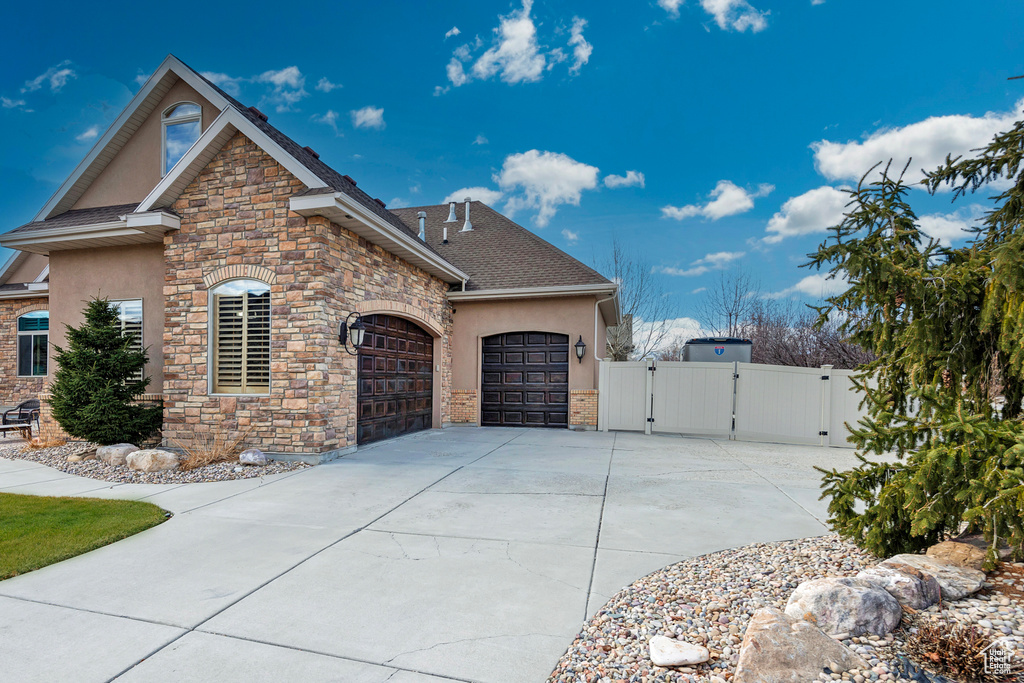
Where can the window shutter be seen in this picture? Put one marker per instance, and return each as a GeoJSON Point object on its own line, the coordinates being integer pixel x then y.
{"type": "Point", "coordinates": [257, 338]}
{"type": "Point", "coordinates": [230, 343]}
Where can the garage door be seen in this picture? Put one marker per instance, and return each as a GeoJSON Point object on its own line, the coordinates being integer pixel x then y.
{"type": "Point", "coordinates": [525, 380]}
{"type": "Point", "coordinates": [395, 379]}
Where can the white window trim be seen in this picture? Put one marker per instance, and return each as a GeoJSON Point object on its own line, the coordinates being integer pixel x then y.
{"type": "Point", "coordinates": [165, 122]}
{"type": "Point", "coordinates": [29, 333]}
{"type": "Point", "coordinates": [142, 325]}
{"type": "Point", "coordinates": [211, 315]}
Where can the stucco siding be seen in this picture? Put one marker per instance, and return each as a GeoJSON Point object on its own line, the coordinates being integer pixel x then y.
{"type": "Point", "coordinates": [137, 168]}
{"type": "Point", "coordinates": [114, 273]}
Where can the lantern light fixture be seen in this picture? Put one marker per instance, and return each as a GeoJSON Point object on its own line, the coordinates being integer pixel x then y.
{"type": "Point", "coordinates": [581, 349]}
{"type": "Point", "coordinates": [352, 333]}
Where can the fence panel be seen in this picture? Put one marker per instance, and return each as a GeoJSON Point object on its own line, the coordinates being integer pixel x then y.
{"type": "Point", "coordinates": [776, 403]}
{"type": "Point", "coordinates": [694, 399]}
{"type": "Point", "coordinates": [845, 400]}
{"type": "Point", "coordinates": [623, 400]}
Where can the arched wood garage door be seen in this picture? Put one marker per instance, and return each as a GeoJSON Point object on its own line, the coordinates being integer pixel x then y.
{"type": "Point", "coordinates": [395, 393]}
{"type": "Point", "coordinates": [525, 380]}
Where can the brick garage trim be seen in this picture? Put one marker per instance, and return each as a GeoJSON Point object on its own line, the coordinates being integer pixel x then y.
{"type": "Point", "coordinates": [583, 408]}
{"type": "Point", "coordinates": [401, 310]}
{"type": "Point", "coordinates": [240, 271]}
{"type": "Point", "coordinates": [464, 406]}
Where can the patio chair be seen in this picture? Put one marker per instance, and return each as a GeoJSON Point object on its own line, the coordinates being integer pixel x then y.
{"type": "Point", "coordinates": [22, 414]}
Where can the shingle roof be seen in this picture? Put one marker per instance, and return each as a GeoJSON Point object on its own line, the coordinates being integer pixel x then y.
{"type": "Point", "coordinates": [498, 253]}
{"type": "Point", "coordinates": [79, 217]}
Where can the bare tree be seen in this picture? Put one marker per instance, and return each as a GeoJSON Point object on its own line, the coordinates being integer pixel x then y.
{"type": "Point", "coordinates": [787, 334]}
{"type": "Point", "coordinates": [728, 303]}
{"type": "Point", "coordinates": [647, 310]}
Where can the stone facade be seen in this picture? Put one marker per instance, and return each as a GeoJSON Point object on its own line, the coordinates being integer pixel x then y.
{"type": "Point", "coordinates": [583, 408]}
{"type": "Point", "coordinates": [235, 222]}
{"type": "Point", "coordinates": [14, 389]}
{"type": "Point", "coordinates": [464, 406]}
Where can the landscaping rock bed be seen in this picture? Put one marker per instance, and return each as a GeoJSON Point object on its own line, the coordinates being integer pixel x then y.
{"type": "Point", "coordinates": [710, 600]}
{"type": "Point", "coordinates": [57, 458]}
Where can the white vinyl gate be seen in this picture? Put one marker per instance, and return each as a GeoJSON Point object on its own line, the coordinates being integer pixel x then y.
{"type": "Point", "coordinates": [745, 401]}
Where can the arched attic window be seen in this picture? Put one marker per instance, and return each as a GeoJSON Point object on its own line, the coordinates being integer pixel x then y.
{"type": "Point", "coordinates": [182, 125]}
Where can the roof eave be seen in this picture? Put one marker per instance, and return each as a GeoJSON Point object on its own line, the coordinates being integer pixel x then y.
{"type": "Point", "coordinates": [343, 210]}
{"type": "Point", "coordinates": [31, 293]}
{"type": "Point", "coordinates": [112, 233]}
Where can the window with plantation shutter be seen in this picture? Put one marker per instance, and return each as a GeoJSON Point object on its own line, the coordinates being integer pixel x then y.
{"type": "Point", "coordinates": [240, 359]}
{"type": "Point", "coordinates": [129, 314]}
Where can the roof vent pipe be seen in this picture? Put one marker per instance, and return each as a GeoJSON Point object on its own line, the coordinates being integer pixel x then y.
{"type": "Point", "coordinates": [422, 215]}
{"type": "Point", "coordinates": [445, 240]}
{"type": "Point", "coordinates": [451, 213]}
{"type": "Point", "coordinates": [467, 226]}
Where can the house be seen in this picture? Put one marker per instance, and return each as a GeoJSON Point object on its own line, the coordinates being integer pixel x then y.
{"type": "Point", "coordinates": [236, 255]}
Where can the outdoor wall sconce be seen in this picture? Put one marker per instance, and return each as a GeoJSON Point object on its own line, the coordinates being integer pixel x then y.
{"type": "Point", "coordinates": [581, 349]}
{"type": "Point", "coordinates": [352, 332]}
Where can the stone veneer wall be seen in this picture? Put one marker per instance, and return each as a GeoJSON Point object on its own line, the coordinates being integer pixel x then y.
{"type": "Point", "coordinates": [235, 213]}
{"type": "Point", "coordinates": [464, 406]}
{"type": "Point", "coordinates": [583, 408]}
{"type": "Point", "coordinates": [14, 389]}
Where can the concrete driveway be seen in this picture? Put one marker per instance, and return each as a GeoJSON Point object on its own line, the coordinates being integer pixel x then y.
{"type": "Point", "coordinates": [463, 554]}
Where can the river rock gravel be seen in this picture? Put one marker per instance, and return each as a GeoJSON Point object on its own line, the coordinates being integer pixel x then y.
{"type": "Point", "coordinates": [709, 600]}
{"type": "Point", "coordinates": [57, 456]}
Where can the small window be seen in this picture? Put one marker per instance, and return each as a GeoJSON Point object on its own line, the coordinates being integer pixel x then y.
{"type": "Point", "coordinates": [182, 125]}
{"type": "Point", "coordinates": [129, 314]}
{"type": "Point", "coordinates": [33, 335]}
{"type": "Point", "coordinates": [240, 357]}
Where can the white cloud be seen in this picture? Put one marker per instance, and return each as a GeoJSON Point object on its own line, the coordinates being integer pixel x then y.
{"type": "Point", "coordinates": [581, 49]}
{"type": "Point", "coordinates": [8, 103]}
{"type": "Point", "coordinates": [516, 56]}
{"type": "Point", "coordinates": [570, 236]}
{"type": "Point", "coordinates": [925, 142]}
{"type": "Point", "coordinates": [817, 2]}
{"type": "Point", "coordinates": [813, 211]}
{"type": "Point", "coordinates": [141, 78]}
{"type": "Point", "coordinates": [329, 118]}
{"type": "Point", "coordinates": [480, 140]}
{"type": "Point", "coordinates": [671, 6]}
{"type": "Point", "coordinates": [325, 85]}
{"type": "Point", "coordinates": [699, 290]}
{"type": "Point", "coordinates": [88, 134]}
{"type": "Point", "coordinates": [949, 227]}
{"type": "Point", "coordinates": [631, 179]}
{"type": "Point", "coordinates": [368, 117]}
{"type": "Point", "coordinates": [456, 74]}
{"type": "Point", "coordinates": [717, 261]}
{"type": "Point", "coordinates": [232, 85]}
{"type": "Point", "coordinates": [737, 15]}
{"type": "Point", "coordinates": [479, 194]}
{"type": "Point", "coordinates": [817, 286]}
{"type": "Point", "coordinates": [56, 77]}
{"type": "Point", "coordinates": [440, 90]}
{"type": "Point", "coordinates": [287, 87]}
{"type": "Point", "coordinates": [727, 199]}
{"type": "Point", "coordinates": [544, 181]}
{"type": "Point", "coordinates": [453, 31]}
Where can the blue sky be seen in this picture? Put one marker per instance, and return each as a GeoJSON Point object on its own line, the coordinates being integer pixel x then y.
{"type": "Point", "coordinates": [713, 135]}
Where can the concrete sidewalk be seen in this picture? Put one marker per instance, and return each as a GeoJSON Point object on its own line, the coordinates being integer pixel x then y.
{"type": "Point", "coordinates": [463, 554]}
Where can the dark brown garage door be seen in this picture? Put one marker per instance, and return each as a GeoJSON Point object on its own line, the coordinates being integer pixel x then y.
{"type": "Point", "coordinates": [525, 380]}
{"type": "Point", "coordinates": [395, 379]}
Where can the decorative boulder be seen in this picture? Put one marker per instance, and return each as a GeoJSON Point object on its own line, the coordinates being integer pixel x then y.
{"type": "Point", "coordinates": [152, 460]}
{"type": "Point", "coordinates": [844, 605]}
{"type": "Point", "coordinates": [252, 456]}
{"type": "Point", "coordinates": [671, 652]}
{"type": "Point", "coordinates": [909, 585]}
{"type": "Point", "coordinates": [956, 582]}
{"type": "Point", "coordinates": [779, 649]}
{"type": "Point", "coordinates": [116, 454]}
{"type": "Point", "coordinates": [960, 554]}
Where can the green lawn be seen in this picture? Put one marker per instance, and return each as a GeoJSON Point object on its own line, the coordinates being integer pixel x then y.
{"type": "Point", "coordinates": [36, 530]}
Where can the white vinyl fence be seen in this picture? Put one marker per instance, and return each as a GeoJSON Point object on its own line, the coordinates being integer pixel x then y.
{"type": "Point", "coordinates": [744, 401]}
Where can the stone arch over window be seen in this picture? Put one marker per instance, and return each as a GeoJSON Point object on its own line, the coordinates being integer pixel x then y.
{"type": "Point", "coordinates": [240, 272]}
{"type": "Point", "coordinates": [182, 124]}
{"type": "Point", "coordinates": [33, 307]}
